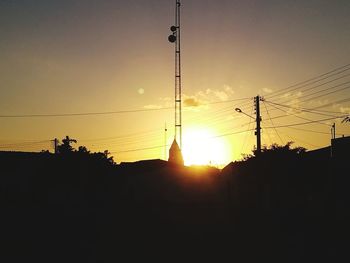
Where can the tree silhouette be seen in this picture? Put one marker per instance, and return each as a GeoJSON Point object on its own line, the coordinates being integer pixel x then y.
{"type": "Point", "coordinates": [277, 150]}
{"type": "Point", "coordinates": [83, 149]}
{"type": "Point", "coordinates": [346, 119]}
{"type": "Point", "coordinates": [65, 147]}
{"type": "Point", "coordinates": [103, 156]}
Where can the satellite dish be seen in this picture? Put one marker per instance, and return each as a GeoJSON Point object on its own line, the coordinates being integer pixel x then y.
{"type": "Point", "coordinates": [173, 28]}
{"type": "Point", "coordinates": [172, 38]}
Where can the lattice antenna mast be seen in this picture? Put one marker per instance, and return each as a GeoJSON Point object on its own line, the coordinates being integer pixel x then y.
{"type": "Point", "coordinates": [175, 38]}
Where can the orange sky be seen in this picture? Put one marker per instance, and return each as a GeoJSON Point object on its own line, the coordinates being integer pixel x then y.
{"type": "Point", "coordinates": [101, 56]}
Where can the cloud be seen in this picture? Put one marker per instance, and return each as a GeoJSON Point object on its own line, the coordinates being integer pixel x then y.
{"type": "Point", "coordinates": [286, 95]}
{"type": "Point", "coordinates": [317, 103]}
{"type": "Point", "coordinates": [221, 95]}
{"type": "Point", "coordinates": [295, 107]}
{"type": "Point", "coordinates": [191, 102]}
{"type": "Point", "coordinates": [203, 97]}
{"type": "Point", "coordinates": [215, 94]}
{"type": "Point", "coordinates": [267, 90]}
{"type": "Point", "coordinates": [199, 99]}
{"type": "Point", "coordinates": [290, 94]}
{"type": "Point", "coordinates": [228, 89]}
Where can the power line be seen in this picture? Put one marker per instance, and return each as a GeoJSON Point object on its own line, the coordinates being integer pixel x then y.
{"type": "Point", "coordinates": [322, 84]}
{"type": "Point", "coordinates": [122, 137]}
{"type": "Point", "coordinates": [80, 114]}
{"type": "Point", "coordinates": [312, 131]}
{"type": "Point", "coordinates": [294, 139]}
{"type": "Point", "coordinates": [313, 111]}
{"type": "Point", "coordinates": [246, 134]}
{"type": "Point", "coordinates": [132, 142]}
{"type": "Point", "coordinates": [136, 136]}
{"type": "Point", "coordinates": [32, 143]}
{"type": "Point", "coordinates": [297, 116]}
{"type": "Point", "coordinates": [108, 112]}
{"type": "Point", "coordinates": [140, 149]}
{"type": "Point", "coordinates": [319, 85]}
{"type": "Point", "coordinates": [272, 122]}
{"type": "Point", "coordinates": [268, 134]}
{"type": "Point", "coordinates": [332, 103]}
{"type": "Point", "coordinates": [231, 133]}
{"type": "Point", "coordinates": [322, 95]}
{"type": "Point", "coordinates": [162, 146]}
{"type": "Point", "coordinates": [305, 123]}
{"type": "Point", "coordinates": [310, 81]}
{"type": "Point", "coordinates": [320, 91]}
{"type": "Point", "coordinates": [308, 110]}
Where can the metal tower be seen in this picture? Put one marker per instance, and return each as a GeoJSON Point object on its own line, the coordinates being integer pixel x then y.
{"type": "Point", "coordinates": [175, 38]}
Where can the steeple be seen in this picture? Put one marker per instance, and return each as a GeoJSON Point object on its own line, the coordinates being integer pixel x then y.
{"type": "Point", "coordinates": [175, 155]}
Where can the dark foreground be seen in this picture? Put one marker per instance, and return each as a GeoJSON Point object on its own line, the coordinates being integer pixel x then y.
{"type": "Point", "coordinates": [81, 209]}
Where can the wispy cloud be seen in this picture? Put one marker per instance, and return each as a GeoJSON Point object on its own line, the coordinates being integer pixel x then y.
{"type": "Point", "coordinates": [228, 89]}
{"type": "Point", "coordinates": [290, 95]}
{"type": "Point", "coordinates": [267, 90]}
{"type": "Point", "coordinates": [221, 95]}
{"type": "Point", "coordinates": [210, 95]}
{"type": "Point", "coordinates": [317, 103]}
{"type": "Point", "coordinates": [199, 99]}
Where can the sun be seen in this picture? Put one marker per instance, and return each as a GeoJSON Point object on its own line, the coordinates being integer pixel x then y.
{"type": "Point", "coordinates": [202, 147]}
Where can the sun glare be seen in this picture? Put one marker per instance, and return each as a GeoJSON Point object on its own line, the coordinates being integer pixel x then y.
{"type": "Point", "coordinates": [201, 147]}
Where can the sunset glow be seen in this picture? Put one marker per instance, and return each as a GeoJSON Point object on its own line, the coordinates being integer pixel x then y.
{"type": "Point", "coordinates": [103, 74]}
{"type": "Point", "coordinates": [201, 147]}
{"type": "Point", "coordinates": [174, 129]}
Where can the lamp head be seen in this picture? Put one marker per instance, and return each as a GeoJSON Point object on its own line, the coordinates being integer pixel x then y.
{"type": "Point", "coordinates": [173, 28]}
{"type": "Point", "coordinates": [172, 38]}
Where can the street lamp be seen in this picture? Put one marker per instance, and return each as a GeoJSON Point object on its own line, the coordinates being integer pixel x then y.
{"type": "Point", "coordinates": [258, 120]}
{"type": "Point", "coordinates": [240, 111]}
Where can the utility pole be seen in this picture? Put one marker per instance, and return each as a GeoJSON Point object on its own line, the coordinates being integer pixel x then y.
{"type": "Point", "coordinates": [165, 138]}
{"type": "Point", "coordinates": [258, 121]}
{"type": "Point", "coordinates": [258, 127]}
{"type": "Point", "coordinates": [55, 143]}
{"type": "Point", "coordinates": [333, 131]}
{"type": "Point", "coordinates": [332, 138]}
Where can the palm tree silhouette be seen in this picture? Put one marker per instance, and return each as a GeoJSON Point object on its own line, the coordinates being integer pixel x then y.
{"type": "Point", "coordinates": [346, 119]}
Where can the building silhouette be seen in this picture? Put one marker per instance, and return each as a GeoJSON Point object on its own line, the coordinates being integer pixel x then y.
{"type": "Point", "coordinates": [340, 147]}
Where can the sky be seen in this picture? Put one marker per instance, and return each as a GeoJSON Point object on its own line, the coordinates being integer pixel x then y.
{"type": "Point", "coordinates": [63, 57]}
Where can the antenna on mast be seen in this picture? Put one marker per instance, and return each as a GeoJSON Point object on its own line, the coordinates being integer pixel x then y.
{"type": "Point", "coordinates": [175, 38]}
{"type": "Point", "coordinates": [165, 140]}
